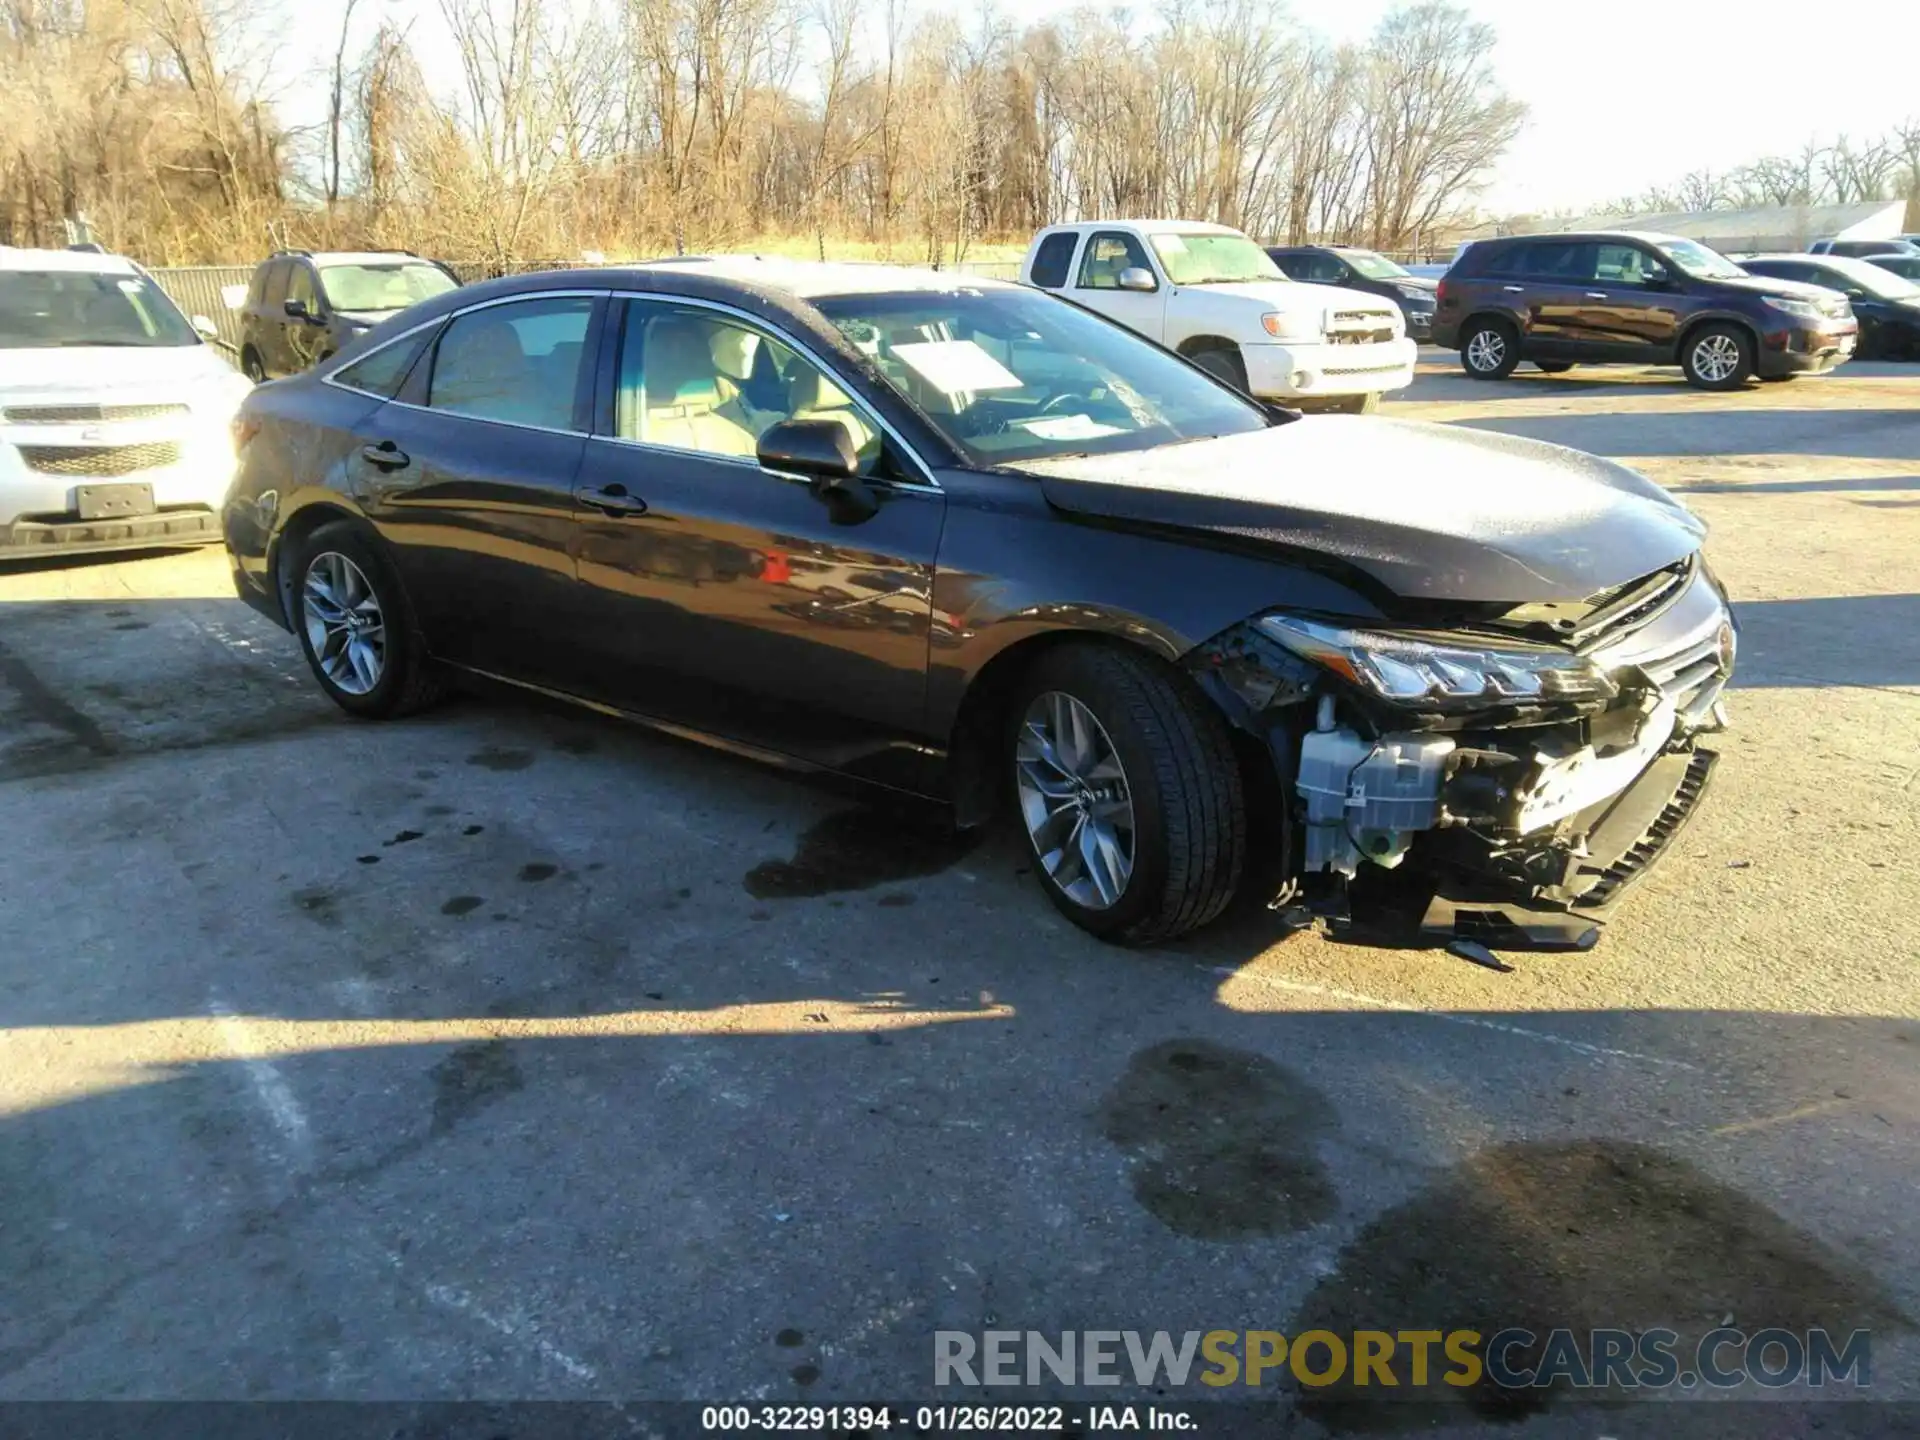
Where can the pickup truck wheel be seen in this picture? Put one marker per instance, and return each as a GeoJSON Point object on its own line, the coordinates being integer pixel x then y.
{"type": "Point", "coordinates": [1355, 404]}
{"type": "Point", "coordinates": [1717, 357]}
{"type": "Point", "coordinates": [1223, 364]}
{"type": "Point", "coordinates": [1130, 794]}
{"type": "Point", "coordinates": [1489, 350]}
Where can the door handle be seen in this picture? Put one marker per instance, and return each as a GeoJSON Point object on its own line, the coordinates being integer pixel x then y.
{"type": "Point", "coordinates": [1598, 295]}
{"type": "Point", "coordinates": [385, 456]}
{"type": "Point", "coordinates": [613, 500]}
{"type": "Point", "coordinates": [1513, 289]}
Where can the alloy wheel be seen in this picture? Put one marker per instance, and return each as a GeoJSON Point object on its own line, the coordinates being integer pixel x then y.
{"type": "Point", "coordinates": [1075, 800]}
{"type": "Point", "coordinates": [1486, 349]}
{"type": "Point", "coordinates": [344, 623]}
{"type": "Point", "coordinates": [1716, 357]}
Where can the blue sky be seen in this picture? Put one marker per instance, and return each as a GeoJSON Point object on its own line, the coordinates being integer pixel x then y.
{"type": "Point", "coordinates": [1622, 96]}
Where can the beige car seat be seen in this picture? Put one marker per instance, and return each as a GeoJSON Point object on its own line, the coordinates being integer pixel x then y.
{"type": "Point", "coordinates": [811, 396]}
{"type": "Point", "coordinates": [681, 396]}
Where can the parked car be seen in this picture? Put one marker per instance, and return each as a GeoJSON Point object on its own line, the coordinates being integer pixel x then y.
{"type": "Point", "coordinates": [1209, 293]}
{"type": "Point", "coordinates": [115, 412]}
{"type": "Point", "coordinates": [1858, 249]}
{"type": "Point", "coordinates": [1886, 305]}
{"type": "Point", "coordinates": [1358, 269]}
{"type": "Point", "coordinates": [1905, 266]}
{"type": "Point", "coordinates": [303, 306]}
{"type": "Point", "coordinates": [1626, 296]}
{"type": "Point", "coordinates": [960, 539]}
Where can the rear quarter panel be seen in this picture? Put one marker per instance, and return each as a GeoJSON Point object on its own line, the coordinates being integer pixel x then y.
{"type": "Point", "coordinates": [297, 457]}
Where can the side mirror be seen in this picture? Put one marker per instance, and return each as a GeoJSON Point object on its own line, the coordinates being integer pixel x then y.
{"type": "Point", "coordinates": [204, 328]}
{"type": "Point", "coordinates": [1658, 280]}
{"type": "Point", "coordinates": [1138, 277]}
{"type": "Point", "coordinates": [823, 451]}
{"type": "Point", "coordinates": [297, 310]}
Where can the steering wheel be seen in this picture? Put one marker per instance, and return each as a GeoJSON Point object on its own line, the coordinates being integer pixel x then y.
{"type": "Point", "coordinates": [1063, 399]}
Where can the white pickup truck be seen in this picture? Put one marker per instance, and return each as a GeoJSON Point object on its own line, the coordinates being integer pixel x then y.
{"type": "Point", "coordinates": [1213, 295]}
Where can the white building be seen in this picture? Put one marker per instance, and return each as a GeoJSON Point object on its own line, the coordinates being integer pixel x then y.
{"type": "Point", "coordinates": [1787, 227]}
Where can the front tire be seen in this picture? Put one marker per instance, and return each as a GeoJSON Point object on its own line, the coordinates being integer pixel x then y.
{"type": "Point", "coordinates": [1717, 357]}
{"type": "Point", "coordinates": [355, 625]}
{"type": "Point", "coordinates": [1489, 350]}
{"type": "Point", "coordinates": [1366, 404]}
{"type": "Point", "coordinates": [1127, 786]}
{"type": "Point", "coordinates": [251, 367]}
{"type": "Point", "coordinates": [1223, 364]}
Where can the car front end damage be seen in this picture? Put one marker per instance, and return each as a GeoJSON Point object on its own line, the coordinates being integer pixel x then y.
{"type": "Point", "coordinates": [1504, 779]}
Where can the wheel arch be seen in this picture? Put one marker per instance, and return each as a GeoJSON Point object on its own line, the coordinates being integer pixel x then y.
{"type": "Point", "coordinates": [299, 524]}
{"type": "Point", "coordinates": [1500, 317]}
{"type": "Point", "coordinates": [1717, 317]}
{"type": "Point", "coordinates": [1195, 344]}
{"type": "Point", "coordinates": [975, 736]}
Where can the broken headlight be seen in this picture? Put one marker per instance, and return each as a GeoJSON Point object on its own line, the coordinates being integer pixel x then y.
{"type": "Point", "coordinates": [1442, 672]}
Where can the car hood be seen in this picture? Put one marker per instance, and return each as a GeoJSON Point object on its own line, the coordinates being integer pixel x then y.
{"type": "Point", "coordinates": [1413, 282]}
{"type": "Point", "coordinates": [366, 317]}
{"type": "Point", "coordinates": [1294, 295]}
{"type": "Point", "coordinates": [1772, 285]}
{"type": "Point", "coordinates": [1431, 512]}
{"type": "Point", "coordinates": [80, 373]}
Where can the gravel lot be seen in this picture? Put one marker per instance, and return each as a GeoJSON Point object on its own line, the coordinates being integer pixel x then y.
{"type": "Point", "coordinates": [509, 1053]}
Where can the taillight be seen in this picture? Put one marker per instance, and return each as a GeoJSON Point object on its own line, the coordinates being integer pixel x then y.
{"type": "Point", "coordinates": [245, 427]}
{"type": "Point", "coordinates": [1440, 290]}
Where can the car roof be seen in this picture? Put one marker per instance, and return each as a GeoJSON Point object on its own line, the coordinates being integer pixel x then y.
{"type": "Point", "coordinates": [1191, 227]}
{"type": "Point", "coordinates": [810, 279]}
{"type": "Point", "coordinates": [82, 261]}
{"type": "Point", "coordinates": [1650, 237]}
{"type": "Point", "coordinates": [358, 257]}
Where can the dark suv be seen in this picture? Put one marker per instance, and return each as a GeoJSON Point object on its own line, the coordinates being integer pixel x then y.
{"type": "Point", "coordinates": [1632, 298]}
{"type": "Point", "coordinates": [304, 305]}
{"type": "Point", "coordinates": [1361, 270]}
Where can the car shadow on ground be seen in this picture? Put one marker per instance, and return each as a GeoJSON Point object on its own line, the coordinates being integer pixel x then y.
{"type": "Point", "coordinates": [1829, 640]}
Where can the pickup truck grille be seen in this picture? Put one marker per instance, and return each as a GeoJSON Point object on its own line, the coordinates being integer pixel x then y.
{"type": "Point", "coordinates": [1359, 327]}
{"type": "Point", "coordinates": [100, 460]}
{"type": "Point", "coordinates": [87, 414]}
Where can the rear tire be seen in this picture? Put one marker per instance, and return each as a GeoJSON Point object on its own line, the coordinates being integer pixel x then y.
{"type": "Point", "coordinates": [1717, 357]}
{"type": "Point", "coordinates": [1092, 729]}
{"type": "Point", "coordinates": [1553, 367]}
{"type": "Point", "coordinates": [1489, 350]}
{"type": "Point", "coordinates": [1223, 364]}
{"type": "Point", "coordinates": [355, 624]}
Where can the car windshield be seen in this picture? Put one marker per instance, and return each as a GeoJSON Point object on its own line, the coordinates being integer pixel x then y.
{"type": "Point", "coordinates": [52, 309]}
{"type": "Point", "coordinates": [1374, 267]}
{"type": "Point", "coordinates": [1009, 375]}
{"type": "Point", "coordinates": [382, 287]}
{"type": "Point", "coordinates": [1700, 262]}
{"type": "Point", "coordinates": [1870, 278]}
{"type": "Point", "coordinates": [1194, 258]}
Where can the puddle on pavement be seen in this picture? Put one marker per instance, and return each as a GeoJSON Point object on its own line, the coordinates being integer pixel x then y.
{"type": "Point", "coordinates": [471, 1078]}
{"type": "Point", "coordinates": [495, 757]}
{"type": "Point", "coordinates": [1226, 1142]}
{"type": "Point", "coordinates": [857, 850]}
{"type": "Point", "coordinates": [1584, 1235]}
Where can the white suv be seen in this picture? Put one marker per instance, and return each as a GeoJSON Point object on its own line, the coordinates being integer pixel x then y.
{"type": "Point", "coordinates": [115, 414]}
{"type": "Point", "coordinates": [1214, 296]}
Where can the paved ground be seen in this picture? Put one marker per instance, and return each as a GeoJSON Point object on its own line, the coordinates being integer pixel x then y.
{"type": "Point", "coordinates": [459, 1058]}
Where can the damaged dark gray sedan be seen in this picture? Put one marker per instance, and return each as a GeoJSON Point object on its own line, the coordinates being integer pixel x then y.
{"type": "Point", "coordinates": [967, 541]}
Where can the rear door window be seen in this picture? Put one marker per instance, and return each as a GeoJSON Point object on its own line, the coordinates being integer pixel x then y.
{"type": "Point", "coordinates": [385, 371]}
{"type": "Point", "coordinates": [519, 363]}
{"type": "Point", "coordinates": [1558, 260]}
{"type": "Point", "coordinates": [1054, 259]}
